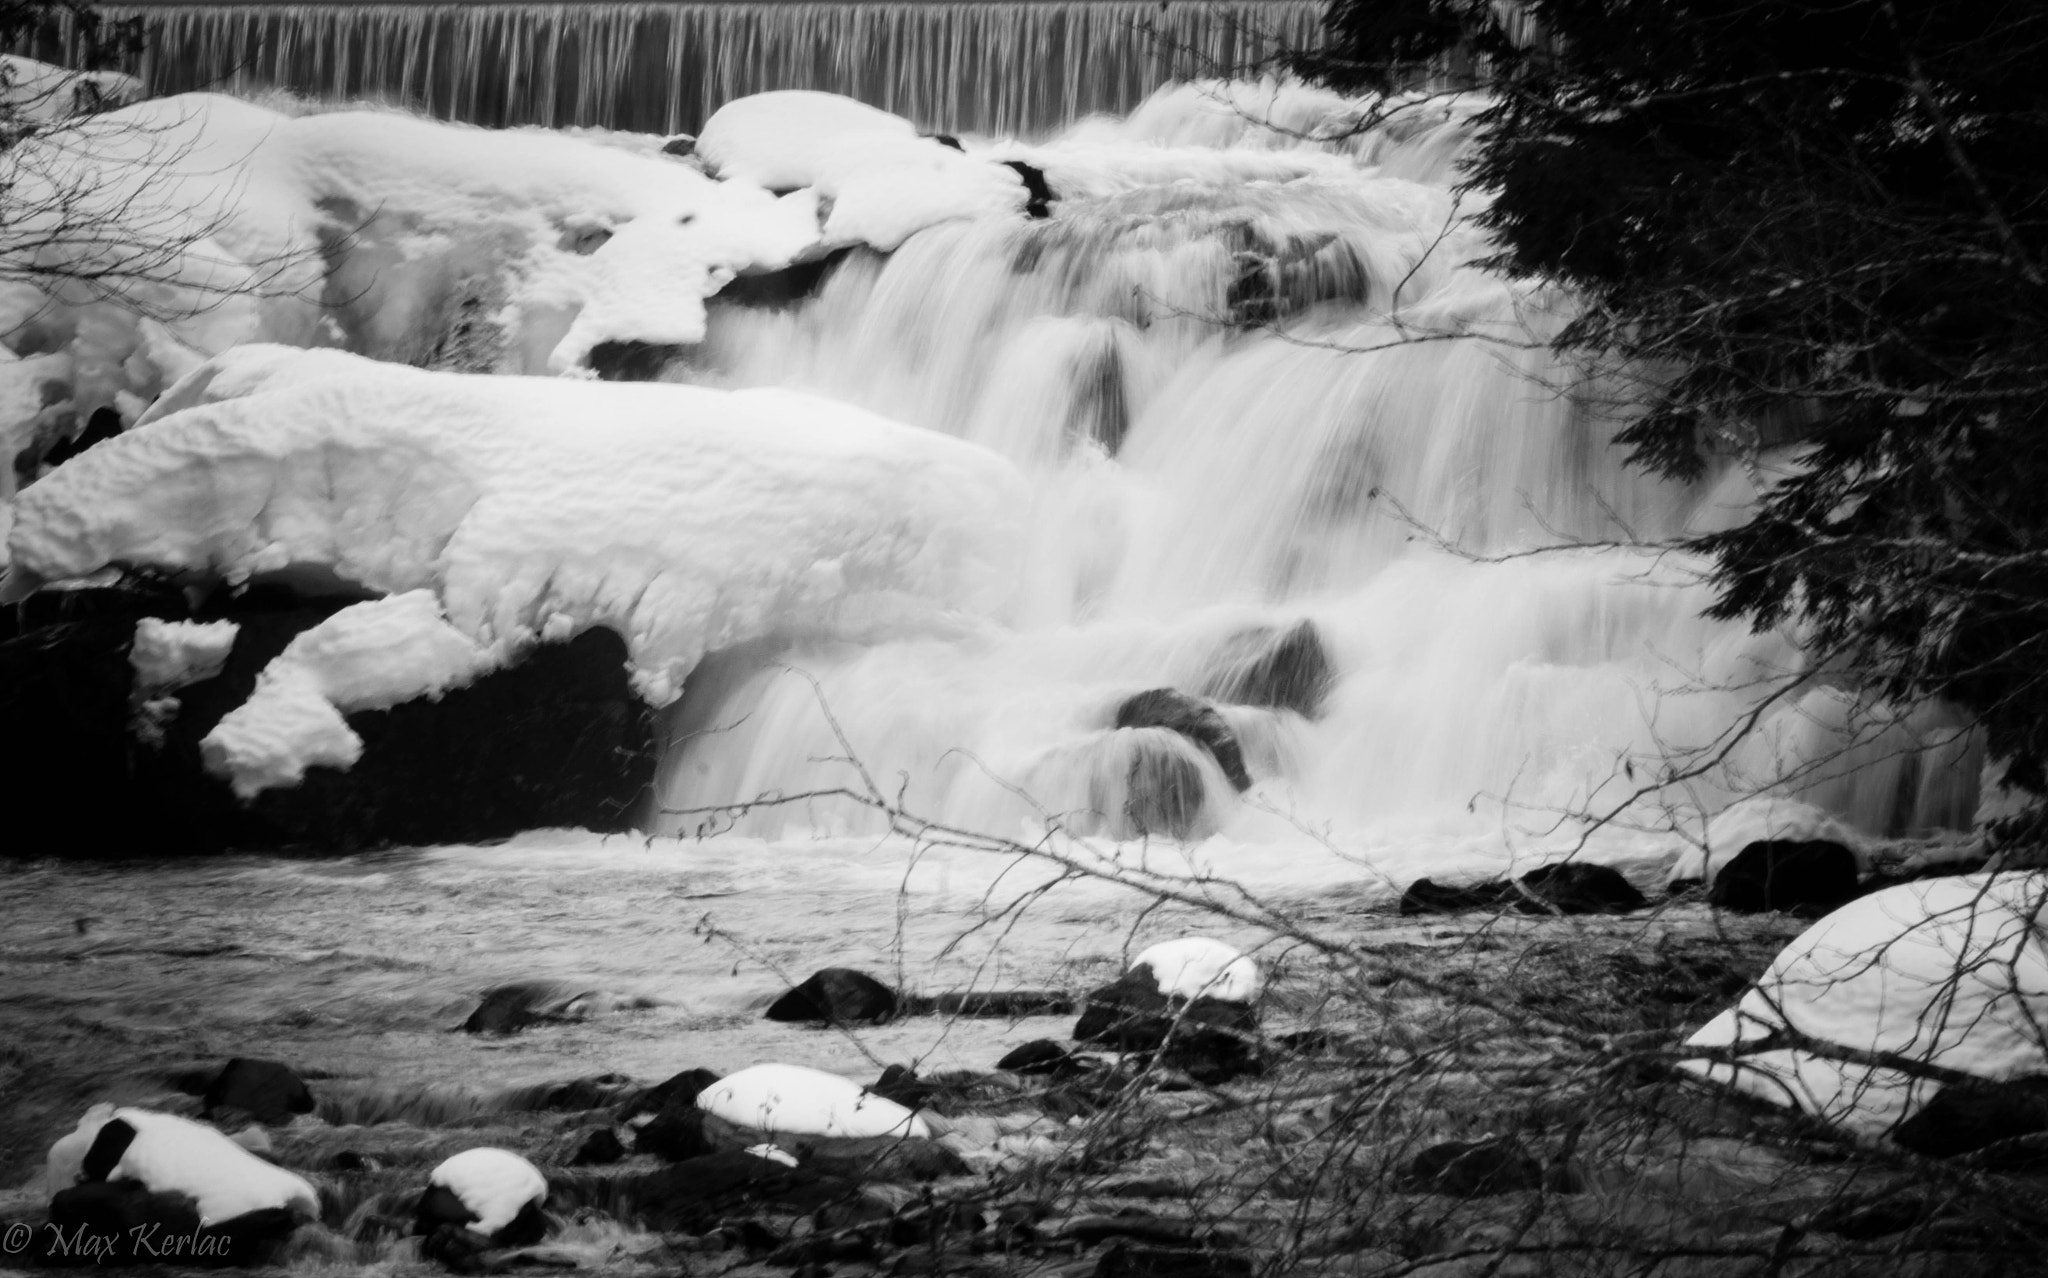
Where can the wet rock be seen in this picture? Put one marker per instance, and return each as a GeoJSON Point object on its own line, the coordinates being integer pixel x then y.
{"type": "Point", "coordinates": [632, 361]}
{"type": "Point", "coordinates": [104, 424]}
{"type": "Point", "coordinates": [680, 145]}
{"type": "Point", "coordinates": [695, 1195]}
{"type": "Point", "coordinates": [1039, 195]}
{"type": "Point", "coordinates": [774, 290]}
{"type": "Point", "coordinates": [479, 1200]}
{"type": "Point", "coordinates": [946, 140]}
{"type": "Point", "coordinates": [1427, 896]}
{"type": "Point", "coordinates": [680, 1088]}
{"type": "Point", "coordinates": [1964, 1118]}
{"type": "Point", "coordinates": [901, 1084]}
{"type": "Point", "coordinates": [1206, 1037]}
{"type": "Point", "coordinates": [1575, 888]}
{"type": "Point", "coordinates": [267, 1091]}
{"type": "Point", "coordinates": [1193, 718]}
{"type": "Point", "coordinates": [1267, 666]}
{"type": "Point", "coordinates": [676, 1132]}
{"type": "Point", "coordinates": [1157, 790]}
{"type": "Point", "coordinates": [876, 1158]}
{"type": "Point", "coordinates": [599, 1091]}
{"type": "Point", "coordinates": [1793, 876]}
{"type": "Point", "coordinates": [1473, 1169]}
{"type": "Point", "coordinates": [1042, 1056]}
{"type": "Point", "coordinates": [354, 1163]}
{"type": "Point", "coordinates": [600, 1148]}
{"type": "Point", "coordinates": [837, 996]}
{"type": "Point", "coordinates": [508, 1009]}
{"type": "Point", "coordinates": [124, 1223]}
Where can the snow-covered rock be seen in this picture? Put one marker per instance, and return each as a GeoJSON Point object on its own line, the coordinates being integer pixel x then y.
{"type": "Point", "coordinates": [1949, 972]}
{"type": "Point", "coordinates": [882, 181]}
{"type": "Point", "coordinates": [683, 518]}
{"type": "Point", "coordinates": [368, 656]}
{"type": "Point", "coordinates": [494, 1184]}
{"type": "Point", "coordinates": [176, 1155]}
{"type": "Point", "coordinates": [796, 1101]}
{"type": "Point", "coordinates": [1197, 967]}
{"type": "Point", "coordinates": [168, 655]}
{"type": "Point", "coordinates": [39, 92]}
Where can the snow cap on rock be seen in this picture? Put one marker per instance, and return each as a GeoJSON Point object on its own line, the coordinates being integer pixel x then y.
{"type": "Point", "coordinates": [798, 1101]}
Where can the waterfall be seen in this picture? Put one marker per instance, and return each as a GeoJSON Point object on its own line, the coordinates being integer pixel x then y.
{"type": "Point", "coordinates": [1251, 397]}
{"type": "Point", "coordinates": [1009, 66]}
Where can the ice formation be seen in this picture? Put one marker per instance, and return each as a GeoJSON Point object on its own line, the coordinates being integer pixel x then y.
{"type": "Point", "coordinates": [368, 656]}
{"type": "Point", "coordinates": [496, 1184]}
{"type": "Point", "coordinates": [797, 1101]}
{"type": "Point", "coordinates": [176, 1155]}
{"type": "Point", "coordinates": [877, 179]}
{"type": "Point", "coordinates": [684, 518]}
{"type": "Point", "coordinates": [168, 655]}
{"type": "Point", "coordinates": [1949, 972]}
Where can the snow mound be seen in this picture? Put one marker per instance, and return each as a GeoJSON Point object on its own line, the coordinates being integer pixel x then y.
{"type": "Point", "coordinates": [38, 92]}
{"type": "Point", "coordinates": [883, 182]}
{"type": "Point", "coordinates": [1758, 817]}
{"type": "Point", "coordinates": [683, 518]}
{"type": "Point", "coordinates": [168, 655]}
{"type": "Point", "coordinates": [496, 1184]}
{"type": "Point", "coordinates": [1948, 972]}
{"type": "Point", "coordinates": [368, 656]}
{"type": "Point", "coordinates": [1197, 967]}
{"type": "Point", "coordinates": [176, 1155]}
{"type": "Point", "coordinates": [798, 1101]}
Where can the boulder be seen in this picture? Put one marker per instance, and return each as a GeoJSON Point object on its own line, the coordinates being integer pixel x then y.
{"type": "Point", "coordinates": [837, 996]}
{"type": "Point", "coordinates": [600, 1148]}
{"type": "Point", "coordinates": [1193, 999]}
{"type": "Point", "coordinates": [478, 1200]}
{"type": "Point", "coordinates": [1576, 888]}
{"type": "Point", "coordinates": [1193, 718]}
{"type": "Point", "coordinates": [1964, 1118]}
{"type": "Point", "coordinates": [1039, 195]}
{"type": "Point", "coordinates": [126, 1223]}
{"type": "Point", "coordinates": [1473, 1169]}
{"type": "Point", "coordinates": [1427, 896]}
{"type": "Point", "coordinates": [508, 1009]}
{"type": "Point", "coordinates": [267, 1091]}
{"type": "Point", "coordinates": [681, 1088]}
{"type": "Point", "coordinates": [699, 1193]}
{"type": "Point", "coordinates": [1789, 876]}
{"type": "Point", "coordinates": [793, 1100]}
{"type": "Point", "coordinates": [1267, 666]}
{"type": "Point", "coordinates": [676, 1132]}
{"type": "Point", "coordinates": [1042, 1056]}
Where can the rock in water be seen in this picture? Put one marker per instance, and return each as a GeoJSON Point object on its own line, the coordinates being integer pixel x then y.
{"type": "Point", "coordinates": [1193, 718]}
{"type": "Point", "coordinates": [1148, 781]}
{"type": "Point", "coordinates": [1039, 196]}
{"type": "Point", "coordinates": [479, 1199]}
{"type": "Point", "coordinates": [806, 1102]}
{"type": "Point", "coordinates": [1952, 972]}
{"type": "Point", "coordinates": [507, 1009]}
{"type": "Point", "coordinates": [1792, 876]}
{"type": "Point", "coordinates": [143, 1227]}
{"type": "Point", "coordinates": [1473, 1169]}
{"type": "Point", "coordinates": [267, 1091]}
{"type": "Point", "coordinates": [1194, 997]}
{"type": "Point", "coordinates": [1964, 1118]}
{"type": "Point", "coordinates": [1575, 888]}
{"type": "Point", "coordinates": [837, 996]}
{"type": "Point", "coordinates": [1266, 666]}
{"type": "Point", "coordinates": [1427, 896]}
{"type": "Point", "coordinates": [678, 1089]}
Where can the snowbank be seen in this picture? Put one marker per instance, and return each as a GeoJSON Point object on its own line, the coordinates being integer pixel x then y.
{"type": "Point", "coordinates": [882, 180]}
{"type": "Point", "coordinates": [1948, 972]}
{"type": "Point", "coordinates": [683, 518]}
{"type": "Point", "coordinates": [168, 655]}
{"type": "Point", "coordinates": [38, 92]}
{"type": "Point", "coordinates": [368, 656]}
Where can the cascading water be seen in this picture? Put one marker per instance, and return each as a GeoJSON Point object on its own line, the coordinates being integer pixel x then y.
{"type": "Point", "coordinates": [1007, 66]}
{"type": "Point", "coordinates": [1252, 398]}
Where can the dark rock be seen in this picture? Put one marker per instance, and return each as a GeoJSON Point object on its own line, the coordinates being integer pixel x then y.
{"type": "Point", "coordinates": [138, 1227]}
{"type": "Point", "coordinates": [677, 1089]}
{"type": "Point", "coordinates": [696, 1194]}
{"type": "Point", "coordinates": [1427, 896]}
{"type": "Point", "coordinates": [1043, 1056]}
{"type": "Point", "coordinates": [1133, 1016]}
{"type": "Point", "coordinates": [599, 1091]}
{"type": "Point", "coordinates": [1193, 718]}
{"type": "Point", "coordinates": [837, 996]}
{"type": "Point", "coordinates": [676, 1132]}
{"type": "Point", "coordinates": [1039, 196]}
{"type": "Point", "coordinates": [876, 1158]}
{"type": "Point", "coordinates": [1573, 888]}
{"type": "Point", "coordinates": [445, 1226]}
{"type": "Point", "coordinates": [631, 361]}
{"type": "Point", "coordinates": [1965, 1118]}
{"type": "Point", "coordinates": [267, 1091]}
{"type": "Point", "coordinates": [1211, 1056]}
{"type": "Point", "coordinates": [680, 144]}
{"type": "Point", "coordinates": [774, 290]}
{"type": "Point", "coordinates": [354, 1162]}
{"type": "Point", "coordinates": [1473, 1169]}
{"type": "Point", "coordinates": [946, 140]}
{"type": "Point", "coordinates": [601, 1148]}
{"type": "Point", "coordinates": [901, 1084]}
{"type": "Point", "coordinates": [1267, 666]}
{"type": "Point", "coordinates": [1161, 790]}
{"type": "Point", "coordinates": [1788, 876]}
{"type": "Point", "coordinates": [104, 424]}
{"type": "Point", "coordinates": [507, 1009]}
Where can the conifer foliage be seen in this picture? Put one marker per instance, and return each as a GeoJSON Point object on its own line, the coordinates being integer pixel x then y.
{"type": "Point", "coordinates": [1824, 224]}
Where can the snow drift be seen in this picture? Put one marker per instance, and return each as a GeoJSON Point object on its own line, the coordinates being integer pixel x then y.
{"type": "Point", "coordinates": [530, 509]}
